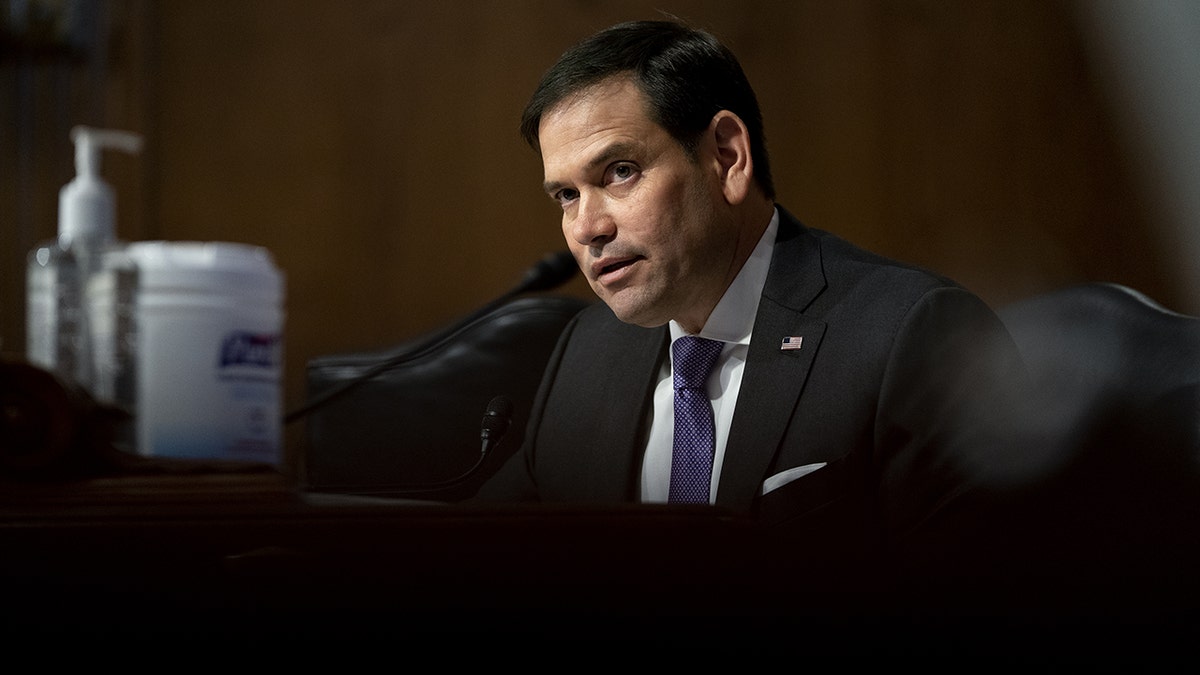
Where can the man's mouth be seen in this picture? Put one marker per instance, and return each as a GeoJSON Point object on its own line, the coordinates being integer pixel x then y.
{"type": "Point", "coordinates": [609, 266]}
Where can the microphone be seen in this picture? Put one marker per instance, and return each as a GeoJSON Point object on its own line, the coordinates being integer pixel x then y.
{"type": "Point", "coordinates": [496, 420]}
{"type": "Point", "coordinates": [550, 272]}
{"type": "Point", "coordinates": [495, 423]}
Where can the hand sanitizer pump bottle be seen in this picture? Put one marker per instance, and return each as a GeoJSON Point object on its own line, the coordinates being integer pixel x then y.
{"type": "Point", "coordinates": [57, 335]}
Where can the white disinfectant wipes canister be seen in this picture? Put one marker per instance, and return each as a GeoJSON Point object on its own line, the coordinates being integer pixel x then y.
{"type": "Point", "coordinates": [190, 340]}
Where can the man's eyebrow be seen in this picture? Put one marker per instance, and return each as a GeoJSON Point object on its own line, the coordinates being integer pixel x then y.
{"type": "Point", "coordinates": [608, 154]}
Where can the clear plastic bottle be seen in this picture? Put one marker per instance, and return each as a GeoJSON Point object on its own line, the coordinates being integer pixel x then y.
{"type": "Point", "coordinates": [55, 328]}
{"type": "Point", "coordinates": [57, 334]}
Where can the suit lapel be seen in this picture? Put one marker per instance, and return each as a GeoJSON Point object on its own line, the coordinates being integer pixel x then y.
{"type": "Point", "coordinates": [613, 454]}
{"type": "Point", "coordinates": [773, 377]}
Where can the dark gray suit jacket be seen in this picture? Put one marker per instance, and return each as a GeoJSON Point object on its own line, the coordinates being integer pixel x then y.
{"type": "Point", "coordinates": [892, 389]}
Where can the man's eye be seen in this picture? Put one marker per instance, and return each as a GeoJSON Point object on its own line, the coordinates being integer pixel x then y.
{"type": "Point", "coordinates": [622, 172]}
{"type": "Point", "coordinates": [565, 196]}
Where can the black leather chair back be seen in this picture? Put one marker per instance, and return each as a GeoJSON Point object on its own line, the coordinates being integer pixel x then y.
{"type": "Point", "coordinates": [1103, 341]}
{"type": "Point", "coordinates": [1112, 497]}
{"type": "Point", "coordinates": [411, 430]}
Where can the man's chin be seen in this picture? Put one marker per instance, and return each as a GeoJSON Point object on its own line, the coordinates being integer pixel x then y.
{"type": "Point", "coordinates": [635, 311]}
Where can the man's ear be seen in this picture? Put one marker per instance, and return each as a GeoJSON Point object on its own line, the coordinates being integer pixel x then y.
{"type": "Point", "coordinates": [734, 163]}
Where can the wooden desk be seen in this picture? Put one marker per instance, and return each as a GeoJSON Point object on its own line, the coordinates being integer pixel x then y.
{"type": "Point", "coordinates": [235, 554]}
{"type": "Point", "coordinates": [232, 558]}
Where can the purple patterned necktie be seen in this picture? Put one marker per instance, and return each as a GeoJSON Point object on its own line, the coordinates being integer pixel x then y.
{"type": "Point", "coordinates": [692, 458]}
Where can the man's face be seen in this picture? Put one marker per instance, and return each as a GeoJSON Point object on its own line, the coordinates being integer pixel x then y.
{"type": "Point", "coordinates": [647, 223]}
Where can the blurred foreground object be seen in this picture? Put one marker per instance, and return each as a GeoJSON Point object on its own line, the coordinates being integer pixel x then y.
{"type": "Point", "coordinates": [51, 427]}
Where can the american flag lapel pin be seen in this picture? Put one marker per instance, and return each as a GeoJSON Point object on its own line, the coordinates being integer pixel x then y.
{"type": "Point", "coordinates": [791, 342]}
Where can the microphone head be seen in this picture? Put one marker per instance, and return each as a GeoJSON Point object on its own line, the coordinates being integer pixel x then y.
{"type": "Point", "coordinates": [497, 417]}
{"type": "Point", "coordinates": [550, 272]}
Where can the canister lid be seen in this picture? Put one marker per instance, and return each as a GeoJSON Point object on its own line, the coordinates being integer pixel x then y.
{"type": "Point", "coordinates": [221, 267]}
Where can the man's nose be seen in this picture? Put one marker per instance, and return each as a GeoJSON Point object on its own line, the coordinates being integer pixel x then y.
{"type": "Point", "coordinates": [593, 224]}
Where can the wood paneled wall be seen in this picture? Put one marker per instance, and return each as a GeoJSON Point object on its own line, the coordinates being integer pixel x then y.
{"type": "Point", "coordinates": [371, 145]}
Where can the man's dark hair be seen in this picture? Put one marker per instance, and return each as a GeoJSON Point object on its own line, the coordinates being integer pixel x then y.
{"type": "Point", "coordinates": [686, 74]}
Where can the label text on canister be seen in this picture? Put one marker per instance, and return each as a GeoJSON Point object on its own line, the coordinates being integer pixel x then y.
{"type": "Point", "coordinates": [242, 348]}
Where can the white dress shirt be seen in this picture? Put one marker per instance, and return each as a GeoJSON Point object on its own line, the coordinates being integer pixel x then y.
{"type": "Point", "coordinates": [732, 322]}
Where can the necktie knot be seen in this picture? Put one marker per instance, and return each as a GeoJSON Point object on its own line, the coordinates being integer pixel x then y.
{"type": "Point", "coordinates": [693, 359]}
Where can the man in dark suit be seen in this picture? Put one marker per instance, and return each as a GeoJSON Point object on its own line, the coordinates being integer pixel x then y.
{"type": "Point", "coordinates": [855, 400]}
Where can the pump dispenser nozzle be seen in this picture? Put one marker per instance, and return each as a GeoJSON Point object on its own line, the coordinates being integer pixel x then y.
{"type": "Point", "coordinates": [86, 206]}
